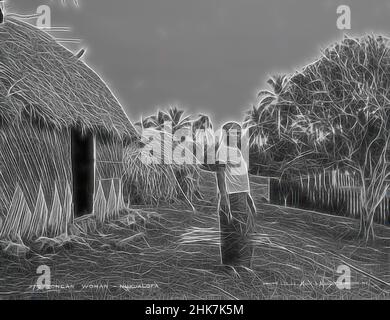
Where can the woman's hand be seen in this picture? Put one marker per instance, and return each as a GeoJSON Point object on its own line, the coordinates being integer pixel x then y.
{"type": "Point", "coordinates": [229, 213]}
{"type": "Point", "coordinates": [251, 204]}
{"type": "Point", "coordinates": [225, 200]}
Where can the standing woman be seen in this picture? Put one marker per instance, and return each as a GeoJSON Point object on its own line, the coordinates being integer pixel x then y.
{"type": "Point", "coordinates": [237, 209]}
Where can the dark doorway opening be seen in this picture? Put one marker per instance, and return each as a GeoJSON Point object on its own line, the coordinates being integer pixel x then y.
{"type": "Point", "coordinates": [83, 171]}
{"type": "Point", "coordinates": [1, 11]}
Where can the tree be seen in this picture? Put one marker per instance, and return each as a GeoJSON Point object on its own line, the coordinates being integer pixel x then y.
{"type": "Point", "coordinates": [271, 100]}
{"type": "Point", "coordinates": [159, 120]}
{"type": "Point", "coordinates": [65, 2]}
{"type": "Point", "coordinates": [146, 123]}
{"type": "Point", "coordinates": [203, 122]}
{"type": "Point", "coordinates": [177, 119]}
{"type": "Point", "coordinates": [267, 124]}
{"type": "Point", "coordinates": [253, 121]}
{"type": "Point", "coordinates": [258, 139]}
{"type": "Point", "coordinates": [155, 121]}
{"type": "Point", "coordinates": [174, 116]}
{"type": "Point", "coordinates": [340, 117]}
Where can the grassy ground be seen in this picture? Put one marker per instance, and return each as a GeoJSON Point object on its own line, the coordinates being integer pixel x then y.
{"type": "Point", "coordinates": [168, 253]}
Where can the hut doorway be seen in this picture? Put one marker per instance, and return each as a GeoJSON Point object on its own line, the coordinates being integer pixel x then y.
{"type": "Point", "coordinates": [83, 171]}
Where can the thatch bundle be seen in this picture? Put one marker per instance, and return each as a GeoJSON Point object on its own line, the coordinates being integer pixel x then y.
{"type": "Point", "coordinates": [159, 182]}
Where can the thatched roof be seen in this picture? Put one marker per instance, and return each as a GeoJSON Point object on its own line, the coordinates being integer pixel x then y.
{"type": "Point", "coordinates": [43, 80]}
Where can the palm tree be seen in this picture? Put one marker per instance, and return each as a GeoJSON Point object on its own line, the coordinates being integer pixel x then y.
{"type": "Point", "coordinates": [271, 99]}
{"type": "Point", "coordinates": [160, 119]}
{"type": "Point", "coordinates": [177, 119]}
{"type": "Point", "coordinates": [264, 124]}
{"type": "Point", "coordinates": [253, 122]}
{"type": "Point", "coordinates": [155, 121]}
{"type": "Point", "coordinates": [146, 123]}
{"type": "Point", "coordinates": [258, 124]}
{"type": "Point", "coordinates": [202, 123]}
{"type": "Point", "coordinates": [65, 2]}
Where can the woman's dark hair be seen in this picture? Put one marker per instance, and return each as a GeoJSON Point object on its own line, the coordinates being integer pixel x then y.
{"type": "Point", "coordinates": [230, 128]}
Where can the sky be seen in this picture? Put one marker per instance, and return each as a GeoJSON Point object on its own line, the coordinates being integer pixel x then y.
{"type": "Point", "coordinates": [209, 56]}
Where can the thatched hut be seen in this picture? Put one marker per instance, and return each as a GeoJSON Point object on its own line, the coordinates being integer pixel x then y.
{"type": "Point", "coordinates": [61, 128]}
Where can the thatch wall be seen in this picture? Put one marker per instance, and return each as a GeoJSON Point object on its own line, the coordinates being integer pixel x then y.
{"type": "Point", "coordinates": [34, 155]}
{"type": "Point", "coordinates": [109, 163]}
{"type": "Point", "coordinates": [109, 157]}
{"type": "Point", "coordinates": [31, 156]}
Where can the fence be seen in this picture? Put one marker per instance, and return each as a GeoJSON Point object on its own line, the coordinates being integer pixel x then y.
{"type": "Point", "coordinates": [330, 192]}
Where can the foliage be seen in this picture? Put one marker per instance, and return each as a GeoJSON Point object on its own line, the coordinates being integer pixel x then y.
{"type": "Point", "coordinates": [267, 123]}
{"type": "Point", "coordinates": [335, 114]}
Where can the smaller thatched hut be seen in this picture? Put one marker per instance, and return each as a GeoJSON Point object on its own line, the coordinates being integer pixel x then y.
{"type": "Point", "coordinates": [61, 129]}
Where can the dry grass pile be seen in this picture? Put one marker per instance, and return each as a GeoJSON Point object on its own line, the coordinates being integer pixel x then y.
{"type": "Point", "coordinates": [155, 183]}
